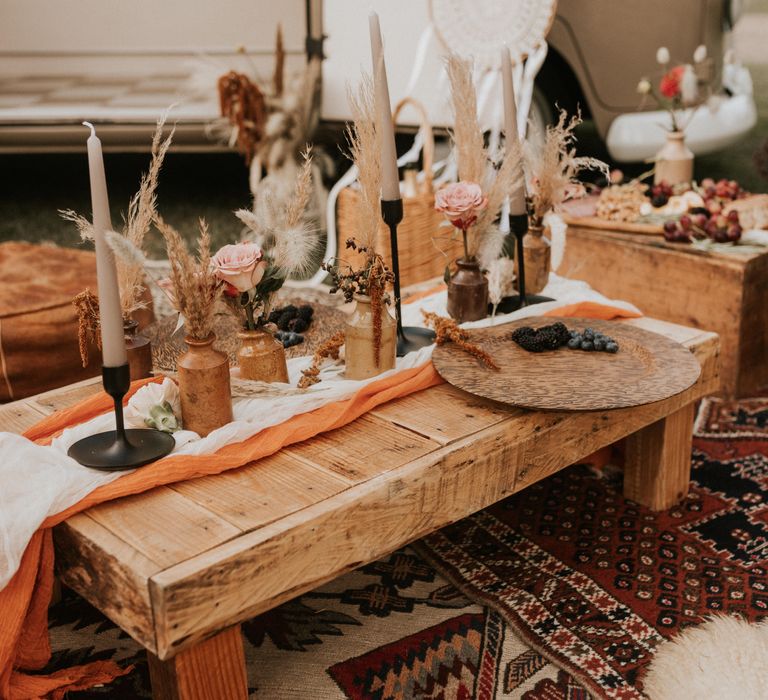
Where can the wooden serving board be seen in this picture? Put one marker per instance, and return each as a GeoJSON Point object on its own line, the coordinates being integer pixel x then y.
{"type": "Point", "coordinates": [648, 367]}
{"type": "Point", "coordinates": [618, 226]}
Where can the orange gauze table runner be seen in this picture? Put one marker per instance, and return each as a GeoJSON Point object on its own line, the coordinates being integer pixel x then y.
{"type": "Point", "coordinates": [24, 642]}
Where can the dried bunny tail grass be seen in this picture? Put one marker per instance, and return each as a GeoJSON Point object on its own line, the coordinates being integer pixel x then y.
{"type": "Point", "coordinates": [557, 165]}
{"type": "Point", "coordinates": [364, 141]}
{"type": "Point", "coordinates": [250, 219]}
{"type": "Point", "coordinates": [487, 247]}
{"type": "Point", "coordinates": [84, 227]}
{"type": "Point", "coordinates": [297, 205]}
{"type": "Point", "coordinates": [471, 157]}
{"type": "Point", "coordinates": [195, 286]}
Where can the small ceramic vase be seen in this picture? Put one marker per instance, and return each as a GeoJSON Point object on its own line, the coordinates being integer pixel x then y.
{"type": "Point", "coordinates": [537, 254]}
{"type": "Point", "coordinates": [261, 357]}
{"type": "Point", "coordinates": [139, 351]}
{"type": "Point", "coordinates": [206, 398]}
{"type": "Point", "coordinates": [468, 292]}
{"type": "Point", "coordinates": [359, 348]}
{"type": "Point", "coordinates": [674, 162]}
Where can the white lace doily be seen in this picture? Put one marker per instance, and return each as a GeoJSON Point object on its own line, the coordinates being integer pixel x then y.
{"type": "Point", "coordinates": [480, 28]}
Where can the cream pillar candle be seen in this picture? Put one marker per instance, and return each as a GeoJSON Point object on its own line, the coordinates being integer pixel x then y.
{"type": "Point", "coordinates": [110, 312]}
{"type": "Point", "coordinates": [390, 180]}
{"type": "Point", "coordinates": [517, 196]}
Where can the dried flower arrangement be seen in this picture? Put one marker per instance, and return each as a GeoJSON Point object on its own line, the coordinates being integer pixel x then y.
{"type": "Point", "coordinates": [553, 169]}
{"type": "Point", "coordinates": [372, 278]}
{"type": "Point", "coordinates": [193, 285]}
{"type": "Point", "coordinates": [679, 87]}
{"type": "Point", "coordinates": [252, 274]}
{"type": "Point", "coordinates": [448, 331]}
{"type": "Point", "coordinates": [473, 204]}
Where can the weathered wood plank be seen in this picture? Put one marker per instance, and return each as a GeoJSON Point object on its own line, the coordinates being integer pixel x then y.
{"type": "Point", "coordinates": [362, 449]}
{"type": "Point", "coordinates": [16, 417]}
{"type": "Point", "coordinates": [657, 465]}
{"type": "Point", "coordinates": [163, 525]}
{"type": "Point", "coordinates": [109, 573]}
{"type": "Point", "coordinates": [264, 491]}
{"type": "Point", "coordinates": [443, 413]}
{"type": "Point", "coordinates": [212, 670]}
{"type": "Point", "coordinates": [56, 399]}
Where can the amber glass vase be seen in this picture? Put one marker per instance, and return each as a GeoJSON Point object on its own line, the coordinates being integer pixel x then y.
{"type": "Point", "coordinates": [359, 341]}
{"type": "Point", "coordinates": [139, 351]}
{"type": "Point", "coordinates": [206, 398]}
{"type": "Point", "coordinates": [468, 292]}
{"type": "Point", "coordinates": [261, 357]}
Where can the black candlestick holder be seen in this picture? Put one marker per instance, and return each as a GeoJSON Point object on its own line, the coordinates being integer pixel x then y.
{"type": "Point", "coordinates": [120, 449]}
{"type": "Point", "coordinates": [411, 337]}
{"type": "Point", "coordinates": [518, 227]}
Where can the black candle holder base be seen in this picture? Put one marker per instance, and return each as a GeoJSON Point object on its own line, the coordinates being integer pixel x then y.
{"type": "Point", "coordinates": [414, 338]}
{"type": "Point", "coordinates": [108, 452]}
{"type": "Point", "coordinates": [512, 303]}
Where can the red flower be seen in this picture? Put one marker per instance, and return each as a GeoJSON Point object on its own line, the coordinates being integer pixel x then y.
{"type": "Point", "coordinates": [670, 83]}
{"type": "Point", "coordinates": [230, 290]}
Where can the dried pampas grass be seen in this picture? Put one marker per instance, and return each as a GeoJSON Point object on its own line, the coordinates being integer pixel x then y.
{"type": "Point", "coordinates": [365, 150]}
{"type": "Point", "coordinates": [553, 170]}
{"type": "Point", "coordinates": [476, 164]}
{"type": "Point", "coordinates": [196, 288]}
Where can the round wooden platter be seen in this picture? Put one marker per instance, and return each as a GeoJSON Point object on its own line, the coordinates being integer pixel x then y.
{"type": "Point", "coordinates": [648, 367]}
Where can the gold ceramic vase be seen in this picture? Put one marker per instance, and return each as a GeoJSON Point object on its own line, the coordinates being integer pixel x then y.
{"type": "Point", "coordinates": [468, 292]}
{"type": "Point", "coordinates": [537, 255]}
{"type": "Point", "coordinates": [206, 398]}
{"type": "Point", "coordinates": [139, 351]}
{"type": "Point", "coordinates": [261, 357]}
{"type": "Point", "coordinates": [359, 345]}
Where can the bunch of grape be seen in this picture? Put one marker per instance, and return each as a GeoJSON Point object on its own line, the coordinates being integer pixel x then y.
{"type": "Point", "coordinates": [700, 224]}
{"type": "Point", "coordinates": [717, 195]}
{"type": "Point", "coordinates": [659, 193]}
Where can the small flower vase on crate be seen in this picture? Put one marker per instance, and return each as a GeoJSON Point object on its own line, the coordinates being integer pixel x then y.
{"type": "Point", "coordinates": [139, 351]}
{"type": "Point", "coordinates": [362, 359]}
{"type": "Point", "coordinates": [468, 292]}
{"type": "Point", "coordinates": [537, 255]}
{"type": "Point", "coordinates": [674, 162]}
{"type": "Point", "coordinates": [261, 357]}
{"type": "Point", "coordinates": [204, 390]}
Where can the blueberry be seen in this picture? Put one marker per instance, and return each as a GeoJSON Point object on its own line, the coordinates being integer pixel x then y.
{"type": "Point", "coordinates": [587, 345]}
{"type": "Point", "coordinates": [574, 343]}
{"type": "Point", "coordinates": [612, 347]}
{"type": "Point", "coordinates": [600, 344]}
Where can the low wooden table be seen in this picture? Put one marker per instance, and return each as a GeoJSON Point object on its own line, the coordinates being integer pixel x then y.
{"type": "Point", "coordinates": [720, 292]}
{"type": "Point", "coordinates": [180, 567]}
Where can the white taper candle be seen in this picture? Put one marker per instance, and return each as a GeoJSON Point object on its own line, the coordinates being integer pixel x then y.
{"type": "Point", "coordinates": [517, 196]}
{"type": "Point", "coordinates": [110, 311]}
{"type": "Point", "coordinates": [390, 180]}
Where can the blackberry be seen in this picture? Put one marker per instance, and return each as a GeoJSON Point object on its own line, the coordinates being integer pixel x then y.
{"type": "Point", "coordinates": [284, 319]}
{"type": "Point", "coordinates": [298, 324]}
{"type": "Point", "coordinates": [541, 339]}
{"type": "Point", "coordinates": [305, 312]}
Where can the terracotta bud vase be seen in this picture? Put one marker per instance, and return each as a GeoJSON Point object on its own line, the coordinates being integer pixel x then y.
{"type": "Point", "coordinates": [206, 398]}
{"type": "Point", "coordinates": [468, 292]}
{"type": "Point", "coordinates": [139, 351]}
{"type": "Point", "coordinates": [261, 357]}
{"type": "Point", "coordinates": [537, 254]}
{"type": "Point", "coordinates": [674, 162]}
{"type": "Point", "coordinates": [359, 350]}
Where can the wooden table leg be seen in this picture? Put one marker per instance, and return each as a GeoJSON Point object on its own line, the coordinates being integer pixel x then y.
{"type": "Point", "coordinates": [657, 468]}
{"type": "Point", "coordinates": [211, 670]}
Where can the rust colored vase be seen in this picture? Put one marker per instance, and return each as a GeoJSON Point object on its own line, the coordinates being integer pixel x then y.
{"type": "Point", "coordinates": [537, 253]}
{"type": "Point", "coordinates": [359, 347]}
{"type": "Point", "coordinates": [261, 357]}
{"type": "Point", "coordinates": [206, 398]}
{"type": "Point", "coordinates": [139, 351]}
{"type": "Point", "coordinates": [468, 292]}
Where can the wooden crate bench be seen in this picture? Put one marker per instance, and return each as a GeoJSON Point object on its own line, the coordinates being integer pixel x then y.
{"type": "Point", "coordinates": [181, 566]}
{"type": "Point", "coordinates": [727, 294]}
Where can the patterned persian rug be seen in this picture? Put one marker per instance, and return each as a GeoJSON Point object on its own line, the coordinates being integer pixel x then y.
{"type": "Point", "coordinates": [561, 592]}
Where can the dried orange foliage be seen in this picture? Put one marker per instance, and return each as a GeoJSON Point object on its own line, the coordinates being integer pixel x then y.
{"type": "Point", "coordinates": [244, 105]}
{"type": "Point", "coordinates": [448, 331]}
{"type": "Point", "coordinates": [88, 326]}
{"type": "Point", "coordinates": [330, 348]}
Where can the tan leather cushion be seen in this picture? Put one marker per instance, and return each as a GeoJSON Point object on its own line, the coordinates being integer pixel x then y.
{"type": "Point", "coordinates": [38, 324]}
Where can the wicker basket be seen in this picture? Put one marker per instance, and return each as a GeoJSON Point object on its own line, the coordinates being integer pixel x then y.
{"type": "Point", "coordinates": [425, 247]}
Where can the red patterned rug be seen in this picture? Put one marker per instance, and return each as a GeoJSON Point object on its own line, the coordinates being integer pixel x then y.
{"type": "Point", "coordinates": [568, 572]}
{"type": "Point", "coordinates": [595, 581]}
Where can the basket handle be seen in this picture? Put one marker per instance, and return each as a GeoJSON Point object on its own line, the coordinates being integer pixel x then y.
{"type": "Point", "coordinates": [429, 138]}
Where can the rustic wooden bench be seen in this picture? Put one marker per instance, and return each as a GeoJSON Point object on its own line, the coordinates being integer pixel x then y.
{"type": "Point", "coordinates": [719, 292]}
{"type": "Point", "coordinates": [180, 567]}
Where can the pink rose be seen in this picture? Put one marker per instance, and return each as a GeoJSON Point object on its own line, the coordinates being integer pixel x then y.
{"type": "Point", "coordinates": [461, 202]}
{"type": "Point", "coordinates": [240, 265]}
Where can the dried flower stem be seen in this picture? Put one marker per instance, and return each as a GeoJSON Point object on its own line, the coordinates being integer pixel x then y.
{"type": "Point", "coordinates": [88, 325]}
{"type": "Point", "coordinates": [330, 348]}
{"type": "Point", "coordinates": [448, 331]}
